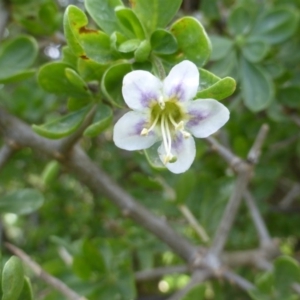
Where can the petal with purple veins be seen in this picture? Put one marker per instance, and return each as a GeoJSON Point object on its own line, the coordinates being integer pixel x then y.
{"type": "Point", "coordinates": [127, 132]}
{"type": "Point", "coordinates": [205, 117]}
{"type": "Point", "coordinates": [140, 88]}
{"type": "Point", "coordinates": [185, 151]}
{"type": "Point", "coordinates": [182, 81]}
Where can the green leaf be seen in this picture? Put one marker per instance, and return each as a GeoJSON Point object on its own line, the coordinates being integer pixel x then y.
{"type": "Point", "coordinates": [210, 8]}
{"type": "Point", "coordinates": [276, 25]}
{"type": "Point", "coordinates": [163, 42]}
{"type": "Point", "coordinates": [197, 293]}
{"type": "Point", "coordinates": [116, 39]}
{"type": "Point", "coordinates": [129, 46]}
{"type": "Point", "coordinates": [111, 83]}
{"type": "Point", "coordinates": [96, 45]}
{"type": "Point", "coordinates": [21, 202]}
{"type": "Point", "coordinates": [52, 77]}
{"type": "Point", "coordinates": [12, 279]}
{"type": "Point", "coordinates": [16, 56]}
{"type": "Point", "coordinates": [26, 293]}
{"type": "Point", "coordinates": [85, 42]}
{"type": "Point", "coordinates": [258, 295]}
{"type": "Point", "coordinates": [226, 66]}
{"type": "Point", "coordinates": [255, 51]}
{"type": "Point", "coordinates": [81, 268]}
{"type": "Point", "coordinates": [103, 13]}
{"type": "Point", "coordinates": [90, 70]}
{"type": "Point", "coordinates": [220, 47]}
{"type": "Point", "coordinates": [77, 81]}
{"type": "Point", "coordinates": [257, 87]}
{"type": "Point", "coordinates": [289, 96]}
{"type": "Point", "coordinates": [69, 57]}
{"type": "Point", "coordinates": [240, 21]}
{"type": "Point", "coordinates": [62, 127]}
{"type": "Point", "coordinates": [102, 120]}
{"type": "Point", "coordinates": [74, 20]}
{"type": "Point", "coordinates": [193, 42]}
{"type": "Point", "coordinates": [265, 283]}
{"type": "Point", "coordinates": [142, 53]}
{"type": "Point", "coordinates": [93, 257]}
{"type": "Point", "coordinates": [131, 25]}
{"type": "Point", "coordinates": [50, 172]}
{"type": "Point", "coordinates": [155, 13]}
{"type": "Point", "coordinates": [286, 272]}
{"type": "Point", "coordinates": [215, 87]}
{"type": "Point", "coordinates": [77, 103]}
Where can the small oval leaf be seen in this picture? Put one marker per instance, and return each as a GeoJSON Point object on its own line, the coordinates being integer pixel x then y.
{"type": "Point", "coordinates": [62, 127]}
{"type": "Point", "coordinates": [21, 202]}
{"type": "Point", "coordinates": [12, 279]}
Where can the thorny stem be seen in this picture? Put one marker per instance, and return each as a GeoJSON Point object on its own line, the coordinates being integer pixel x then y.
{"type": "Point", "coordinates": [258, 221]}
{"type": "Point", "coordinates": [38, 271]}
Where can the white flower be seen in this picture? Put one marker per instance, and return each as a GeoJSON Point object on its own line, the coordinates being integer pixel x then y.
{"type": "Point", "coordinates": [165, 111]}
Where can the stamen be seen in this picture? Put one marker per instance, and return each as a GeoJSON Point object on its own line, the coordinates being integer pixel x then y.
{"type": "Point", "coordinates": [178, 126]}
{"type": "Point", "coordinates": [169, 157]}
{"type": "Point", "coordinates": [145, 131]}
{"type": "Point", "coordinates": [161, 102]}
{"type": "Point", "coordinates": [185, 134]}
{"type": "Point", "coordinates": [163, 133]}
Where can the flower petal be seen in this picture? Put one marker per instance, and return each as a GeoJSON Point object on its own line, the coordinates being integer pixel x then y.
{"type": "Point", "coordinates": [185, 151]}
{"type": "Point", "coordinates": [206, 117]}
{"type": "Point", "coordinates": [127, 132]}
{"type": "Point", "coordinates": [140, 88]}
{"type": "Point", "coordinates": [182, 81]}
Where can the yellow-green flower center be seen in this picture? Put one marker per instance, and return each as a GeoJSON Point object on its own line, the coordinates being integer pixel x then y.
{"type": "Point", "coordinates": [168, 116]}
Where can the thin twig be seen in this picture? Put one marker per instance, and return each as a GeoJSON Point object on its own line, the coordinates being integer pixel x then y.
{"type": "Point", "coordinates": [159, 272]}
{"type": "Point", "coordinates": [194, 223]}
{"type": "Point", "coordinates": [261, 228]}
{"type": "Point", "coordinates": [230, 212]}
{"type": "Point", "coordinates": [238, 280]}
{"type": "Point", "coordinates": [4, 16]}
{"type": "Point", "coordinates": [244, 170]}
{"type": "Point", "coordinates": [99, 182]}
{"type": "Point", "coordinates": [38, 271]}
{"type": "Point", "coordinates": [290, 196]}
{"type": "Point", "coordinates": [225, 153]}
{"type": "Point", "coordinates": [198, 277]}
{"type": "Point", "coordinates": [5, 153]}
{"type": "Point", "coordinates": [255, 150]}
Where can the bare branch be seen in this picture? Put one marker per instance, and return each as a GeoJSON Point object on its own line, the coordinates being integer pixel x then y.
{"type": "Point", "coordinates": [238, 280]}
{"type": "Point", "coordinates": [4, 15]}
{"type": "Point", "coordinates": [255, 150]}
{"type": "Point", "coordinates": [99, 182]}
{"type": "Point", "coordinates": [244, 170]}
{"type": "Point", "coordinates": [198, 277]}
{"type": "Point", "coordinates": [39, 272]}
{"type": "Point", "coordinates": [5, 154]}
{"type": "Point", "coordinates": [194, 223]}
{"type": "Point", "coordinates": [290, 196]}
{"type": "Point", "coordinates": [257, 258]}
{"type": "Point", "coordinates": [230, 212]}
{"type": "Point", "coordinates": [225, 153]}
{"type": "Point", "coordinates": [159, 272]}
{"type": "Point", "coordinates": [263, 233]}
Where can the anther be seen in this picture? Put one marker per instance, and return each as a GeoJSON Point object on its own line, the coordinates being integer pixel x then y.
{"type": "Point", "coordinates": [144, 132]}
{"type": "Point", "coordinates": [185, 134]}
{"type": "Point", "coordinates": [161, 102]}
